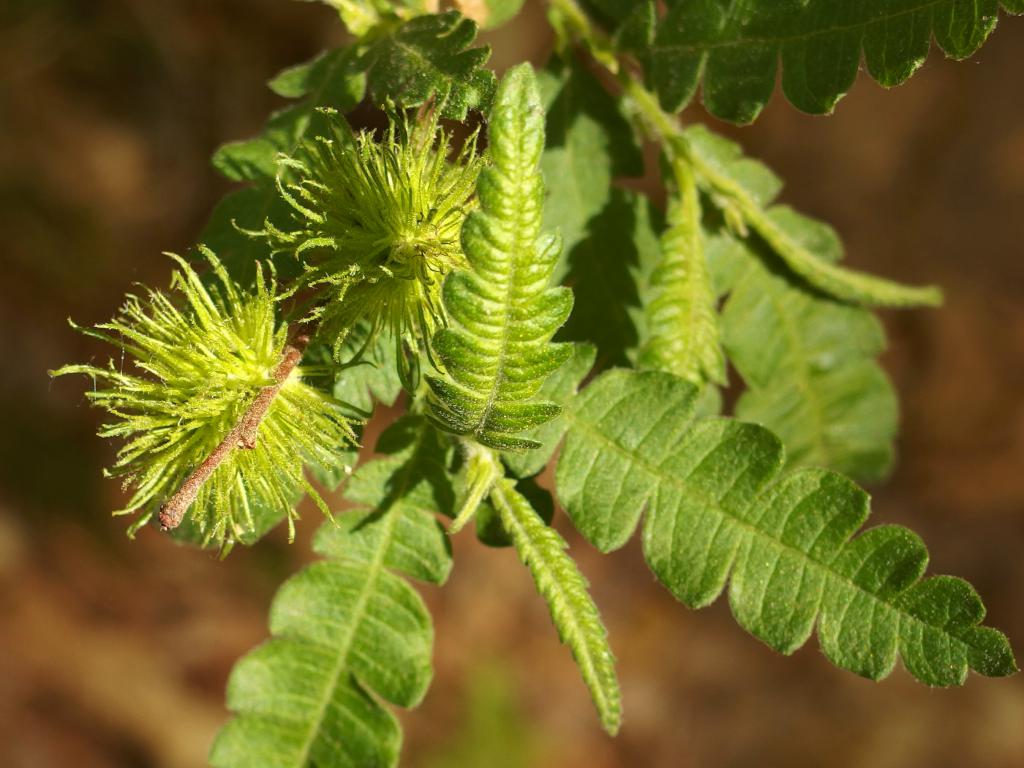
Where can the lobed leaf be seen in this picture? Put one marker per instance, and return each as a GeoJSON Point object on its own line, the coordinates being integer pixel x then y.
{"type": "Point", "coordinates": [719, 515]}
{"type": "Point", "coordinates": [564, 588]}
{"type": "Point", "coordinates": [497, 352]}
{"type": "Point", "coordinates": [348, 631]}
{"type": "Point", "coordinates": [734, 49]}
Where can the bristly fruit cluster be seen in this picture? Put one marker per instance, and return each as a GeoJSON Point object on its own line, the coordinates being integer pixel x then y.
{"type": "Point", "coordinates": [376, 225]}
{"type": "Point", "coordinates": [201, 364]}
{"type": "Point", "coordinates": [409, 252]}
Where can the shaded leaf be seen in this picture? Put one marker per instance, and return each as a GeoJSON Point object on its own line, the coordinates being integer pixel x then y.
{"type": "Point", "coordinates": [589, 143]}
{"type": "Point", "coordinates": [735, 49]}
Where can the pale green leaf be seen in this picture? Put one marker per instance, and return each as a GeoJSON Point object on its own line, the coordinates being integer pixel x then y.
{"type": "Point", "coordinates": [745, 187]}
{"type": "Point", "coordinates": [682, 335]}
{"type": "Point", "coordinates": [564, 588]}
{"type": "Point", "coordinates": [718, 513]}
{"type": "Point", "coordinates": [497, 352]}
{"type": "Point", "coordinates": [496, 12]}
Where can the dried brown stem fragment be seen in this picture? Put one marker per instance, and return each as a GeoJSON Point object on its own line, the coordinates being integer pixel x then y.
{"type": "Point", "coordinates": [243, 435]}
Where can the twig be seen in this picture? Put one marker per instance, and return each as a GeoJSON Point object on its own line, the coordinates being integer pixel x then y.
{"type": "Point", "coordinates": [243, 435]}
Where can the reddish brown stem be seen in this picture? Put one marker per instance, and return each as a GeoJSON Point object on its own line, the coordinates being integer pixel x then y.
{"type": "Point", "coordinates": [243, 435]}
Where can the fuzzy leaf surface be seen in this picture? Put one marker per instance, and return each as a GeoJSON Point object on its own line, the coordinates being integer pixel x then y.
{"type": "Point", "coordinates": [681, 318]}
{"type": "Point", "coordinates": [349, 632]}
{"type": "Point", "coordinates": [564, 589]}
{"type": "Point", "coordinates": [497, 352]}
{"type": "Point", "coordinates": [718, 513]}
{"type": "Point", "coordinates": [734, 49]}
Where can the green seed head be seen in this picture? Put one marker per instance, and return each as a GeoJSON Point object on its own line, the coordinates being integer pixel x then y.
{"type": "Point", "coordinates": [377, 225]}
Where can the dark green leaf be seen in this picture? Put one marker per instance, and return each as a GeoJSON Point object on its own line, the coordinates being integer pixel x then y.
{"type": "Point", "coordinates": [430, 57]}
{"type": "Point", "coordinates": [589, 143]}
{"type": "Point", "coordinates": [734, 49]}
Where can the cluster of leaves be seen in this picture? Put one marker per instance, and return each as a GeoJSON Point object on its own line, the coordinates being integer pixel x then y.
{"type": "Point", "coordinates": [400, 254]}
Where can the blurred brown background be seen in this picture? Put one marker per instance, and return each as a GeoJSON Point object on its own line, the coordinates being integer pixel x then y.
{"type": "Point", "coordinates": [115, 653]}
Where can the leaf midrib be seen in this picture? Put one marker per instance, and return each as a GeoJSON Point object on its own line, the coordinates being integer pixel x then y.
{"type": "Point", "coordinates": [660, 476]}
{"type": "Point", "coordinates": [507, 310]}
{"type": "Point", "coordinates": [375, 567]}
{"type": "Point", "coordinates": [532, 555]}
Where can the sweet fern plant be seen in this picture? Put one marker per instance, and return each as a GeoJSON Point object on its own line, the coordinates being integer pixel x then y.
{"type": "Point", "coordinates": [553, 333]}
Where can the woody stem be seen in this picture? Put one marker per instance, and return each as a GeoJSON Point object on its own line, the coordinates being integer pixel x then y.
{"type": "Point", "coordinates": [243, 435]}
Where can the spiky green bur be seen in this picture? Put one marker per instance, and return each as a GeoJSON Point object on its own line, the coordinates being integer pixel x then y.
{"type": "Point", "coordinates": [377, 226]}
{"type": "Point", "coordinates": [199, 363]}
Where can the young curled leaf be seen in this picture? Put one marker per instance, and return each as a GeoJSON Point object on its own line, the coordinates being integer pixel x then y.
{"type": "Point", "coordinates": [498, 351]}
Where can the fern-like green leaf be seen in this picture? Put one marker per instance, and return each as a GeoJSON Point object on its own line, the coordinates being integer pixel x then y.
{"type": "Point", "coordinates": [734, 49]}
{"type": "Point", "coordinates": [809, 362]}
{"type": "Point", "coordinates": [348, 631]}
{"type": "Point", "coordinates": [717, 511]}
{"type": "Point", "coordinates": [497, 353]}
{"type": "Point", "coordinates": [564, 588]}
{"type": "Point", "coordinates": [681, 318]}
{"type": "Point", "coordinates": [559, 387]}
{"type": "Point", "coordinates": [746, 187]}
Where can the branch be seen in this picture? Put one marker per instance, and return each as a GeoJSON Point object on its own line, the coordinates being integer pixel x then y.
{"type": "Point", "coordinates": [243, 435]}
